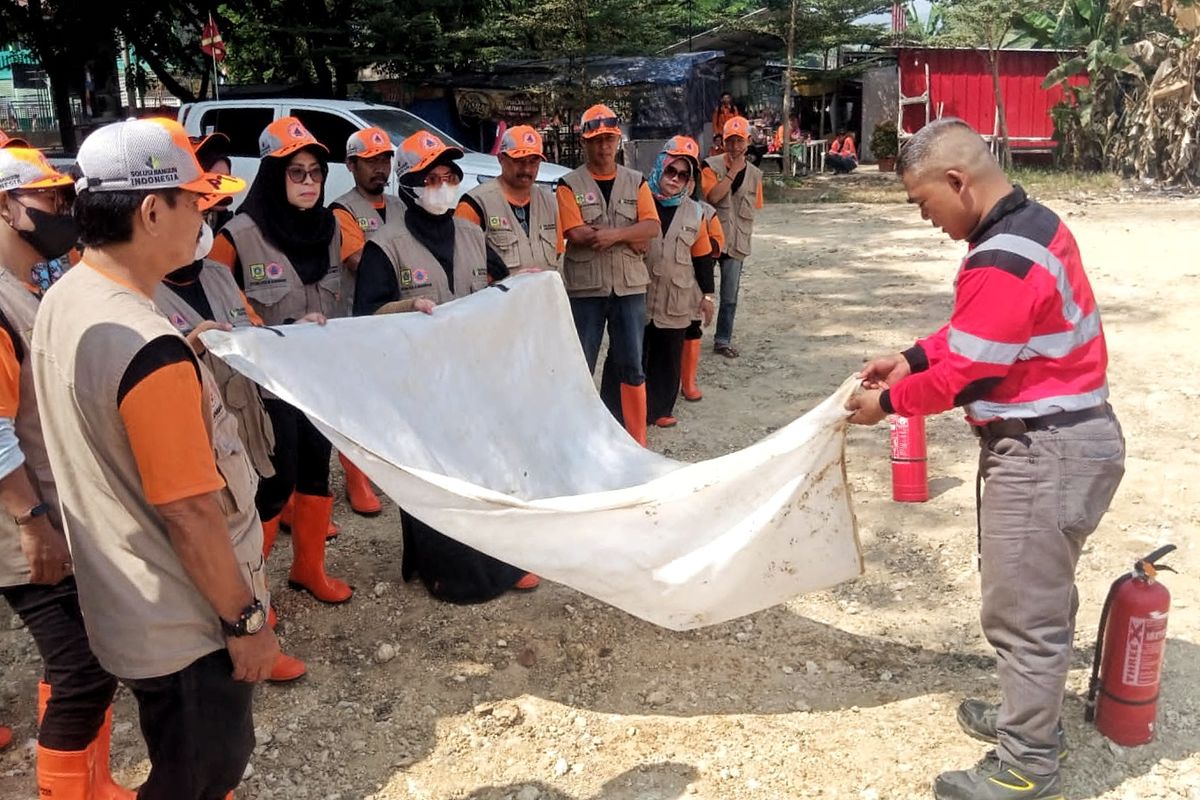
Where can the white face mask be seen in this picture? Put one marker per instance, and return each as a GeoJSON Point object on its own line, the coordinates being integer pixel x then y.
{"type": "Point", "coordinates": [205, 242]}
{"type": "Point", "coordinates": [437, 200]}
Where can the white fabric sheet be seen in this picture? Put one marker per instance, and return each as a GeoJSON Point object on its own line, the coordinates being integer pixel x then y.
{"type": "Point", "coordinates": [483, 421]}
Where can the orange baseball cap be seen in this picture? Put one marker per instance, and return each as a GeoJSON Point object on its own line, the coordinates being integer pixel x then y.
{"type": "Point", "coordinates": [11, 141]}
{"type": "Point", "coordinates": [285, 136]}
{"type": "Point", "coordinates": [684, 146]}
{"type": "Point", "coordinates": [599, 120]}
{"type": "Point", "coordinates": [421, 150]}
{"type": "Point", "coordinates": [522, 141]}
{"type": "Point", "coordinates": [26, 168]}
{"type": "Point", "coordinates": [199, 143]}
{"type": "Point", "coordinates": [368, 143]}
{"type": "Point", "coordinates": [139, 154]}
{"type": "Point", "coordinates": [736, 126]}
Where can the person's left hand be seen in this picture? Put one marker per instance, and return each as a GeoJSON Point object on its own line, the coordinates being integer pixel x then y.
{"type": "Point", "coordinates": [193, 336]}
{"type": "Point", "coordinates": [315, 316]}
{"type": "Point", "coordinates": [866, 408]}
{"type": "Point", "coordinates": [424, 305]}
{"type": "Point", "coordinates": [708, 309]}
{"type": "Point", "coordinates": [605, 238]}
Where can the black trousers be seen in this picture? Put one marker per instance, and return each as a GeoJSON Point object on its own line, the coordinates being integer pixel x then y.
{"type": "Point", "coordinates": [301, 460]}
{"type": "Point", "coordinates": [694, 331]}
{"type": "Point", "coordinates": [198, 729]}
{"type": "Point", "coordinates": [662, 361]}
{"type": "Point", "coordinates": [451, 570]}
{"type": "Point", "coordinates": [80, 690]}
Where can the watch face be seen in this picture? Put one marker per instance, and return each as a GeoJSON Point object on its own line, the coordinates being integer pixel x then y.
{"type": "Point", "coordinates": [256, 621]}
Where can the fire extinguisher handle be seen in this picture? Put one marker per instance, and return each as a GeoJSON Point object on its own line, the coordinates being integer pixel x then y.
{"type": "Point", "coordinates": [1155, 556]}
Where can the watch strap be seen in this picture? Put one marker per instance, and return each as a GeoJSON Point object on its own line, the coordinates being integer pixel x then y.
{"type": "Point", "coordinates": [40, 510]}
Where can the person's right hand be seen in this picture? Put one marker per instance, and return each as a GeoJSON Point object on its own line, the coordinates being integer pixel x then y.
{"type": "Point", "coordinates": [884, 371]}
{"type": "Point", "coordinates": [736, 165]}
{"type": "Point", "coordinates": [424, 305]}
{"type": "Point", "coordinates": [46, 551]}
{"type": "Point", "coordinates": [253, 656]}
{"type": "Point", "coordinates": [193, 337]}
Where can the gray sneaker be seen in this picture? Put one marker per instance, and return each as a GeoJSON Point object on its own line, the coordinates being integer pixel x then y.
{"type": "Point", "coordinates": [978, 719]}
{"type": "Point", "coordinates": [992, 779]}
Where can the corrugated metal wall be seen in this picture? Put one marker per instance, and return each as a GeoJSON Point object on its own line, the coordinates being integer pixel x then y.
{"type": "Point", "coordinates": [961, 82]}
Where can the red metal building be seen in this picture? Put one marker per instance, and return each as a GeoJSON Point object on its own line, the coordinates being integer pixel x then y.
{"type": "Point", "coordinates": [952, 82]}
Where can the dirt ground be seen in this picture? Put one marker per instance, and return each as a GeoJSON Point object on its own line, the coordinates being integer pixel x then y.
{"type": "Point", "coordinates": [848, 693]}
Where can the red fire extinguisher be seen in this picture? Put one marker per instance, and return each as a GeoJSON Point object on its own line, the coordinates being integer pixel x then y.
{"type": "Point", "coordinates": [1123, 693]}
{"type": "Point", "coordinates": [910, 479]}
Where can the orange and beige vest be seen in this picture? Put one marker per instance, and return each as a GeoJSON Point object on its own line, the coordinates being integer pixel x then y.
{"type": "Point", "coordinates": [20, 307]}
{"type": "Point", "coordinates": [620, 269]}
{"type": "Point", "coordinates": [369, 220]}
{"type": "Point", "coordinates": [673, 298]}
{"type": "Point", "coordinates": [736, 210]}
{"type": "Point", "coordinates": [240, 393]}
{"type": "Point", "coordinates": [520, 250]}
{"type": "Point", "coordinates": [419, 274]}
{"type": "Point", "coordinates": [273, 286]}
{"type": "Point", "coordinates": [145, 618]}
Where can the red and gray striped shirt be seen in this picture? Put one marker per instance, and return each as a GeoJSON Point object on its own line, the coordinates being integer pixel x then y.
{"type": "Point", "coordinates": [1025, 338]}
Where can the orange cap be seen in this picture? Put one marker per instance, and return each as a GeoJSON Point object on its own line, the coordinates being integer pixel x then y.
{"type": "Point", "coordinates": [11, 141]}
{"type": "Point", "coordinates": [368, 143]}
{"type": "Point", "coordinates": [599, 120]}
{"type": "Point", "coordinates": [736, 126]}
{"type": "Point", "coordinates": [420, 151]}
{"type": "Point", "coordinates": [285, 136]}
{"type": "Point", "coordinates": [522, 141]}
{"type": "Point", "coordinates": [26, 168]}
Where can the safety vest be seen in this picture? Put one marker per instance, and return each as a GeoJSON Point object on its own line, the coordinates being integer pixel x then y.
{"type": "Point", "coordinates": [273, 286]}
{"type": "Point", "coordinates": [673, 296]}
{"type": "Point", "coordinates": [145, 617]}
{"type": "Point", "coordinates": [370, 221]}
{"type": "Point", "coordinates": [420, 274]}
{"type": "Point", "coordinates": [19, 307]}
{"type": "Point", "coordinates": [620, 269]}
{"type": "Point", "coordinates": [539, 247]}
{"type": "Point", "coordinates": [736, 210]}
{"type": "Point", "coordinates": [240, 393]}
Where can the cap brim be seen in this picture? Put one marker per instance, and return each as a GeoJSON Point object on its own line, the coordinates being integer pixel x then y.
{"type": "Point", "coordinates": [378, 151]}
{"type": "Point", "coordinates": [523, 153]}
{"type": "Point", "coordinates": [602, 132]}
{"type": "Point", "coordinates": [292, 147]}
{"type": "Point", "coordinates": [15, 142]}
{"type": "Point", "coordinates": [212, 183]}
{"type": "Point", "coordinates": [445, 154]}
{"type": "Point", "coordinates": [50, 182]}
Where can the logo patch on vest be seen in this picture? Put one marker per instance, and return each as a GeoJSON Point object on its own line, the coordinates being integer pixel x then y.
{"type": "Point", "coordinates": [237, 314]}
{"type": "Point", "coordinates": [590, 197]}
{"type": "Point", "coordinates": [406, 279]}
{"type": "Point", "coordinates": [274, 270]}
{"type": "Point", "coordinates": [493, 222]}
{"type": "Point", "coordinates": [258, 272]}
{"type": "Point", "coordinates": [368, 223]}
{"type": "Point", "coordinates": [179, 322]}
{"type": "Point", "coordinates": [420, 277]}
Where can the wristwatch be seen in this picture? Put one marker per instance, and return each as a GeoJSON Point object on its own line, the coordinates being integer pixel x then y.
{"type": "Point", "coordinates": [249, 622]}
{"type": "Point", "coordinates": [710, 298]}
{"type": "Point", "coordinates": [40, 510]}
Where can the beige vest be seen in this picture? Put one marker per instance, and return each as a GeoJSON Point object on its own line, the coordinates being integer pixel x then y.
{"type": "Point", "coordinates": [520, 250]}
{"type": "Point", "coordinates": [736, 210]}
{"type": "Point", "coordinates": [419, 274]}
{"type": "Point", "coordinates": [619, 270]}
{"type": "Point", "coordinates": [239, 392]}
{"type": "Point", "coordinates": [273, 287]}
{"type": "Point", "coordinates": [20, 307]}
{"type": "Point", "coordinates": [145, 618]}
{"type": "Point", "coordinates": [369, 220]}
{"type": "Point", "coordinates": [674, 296]}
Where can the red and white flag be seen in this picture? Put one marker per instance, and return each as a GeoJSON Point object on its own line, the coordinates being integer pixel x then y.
{"type": "Point", "coordinates": [899, 17]}
{"type": "Point", "coordinates": [210, 40]}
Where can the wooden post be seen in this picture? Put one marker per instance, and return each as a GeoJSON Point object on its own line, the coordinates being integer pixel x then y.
{"type": "Point", "coordinates": [786, 138]}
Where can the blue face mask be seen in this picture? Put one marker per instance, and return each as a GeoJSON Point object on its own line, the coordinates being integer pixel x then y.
{"type": "Point", "coordinates": [44, 274]}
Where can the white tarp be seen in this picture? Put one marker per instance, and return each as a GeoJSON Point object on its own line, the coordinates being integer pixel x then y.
{"type": "Point", "coordinates": [482, 421]}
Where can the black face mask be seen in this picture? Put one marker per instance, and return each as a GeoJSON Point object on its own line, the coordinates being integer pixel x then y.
{"type": "Point", "coordinates": [52, 234]}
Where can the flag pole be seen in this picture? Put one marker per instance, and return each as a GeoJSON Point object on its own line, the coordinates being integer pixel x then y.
{"type": "Point", "coordinates": [216, 76]}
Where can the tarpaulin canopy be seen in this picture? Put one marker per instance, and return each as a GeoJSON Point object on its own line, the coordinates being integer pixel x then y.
{"type": "Point", "coordinates": [483, 421]}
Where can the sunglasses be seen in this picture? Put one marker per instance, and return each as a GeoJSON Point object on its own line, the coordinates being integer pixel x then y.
{"type": "Point", "coordinates": [435, 179]}
{"type": "Point", "coordinates": [60, 199]}
{"type": "Point", "coordinates": [678, 174]}
{"type": "Point", "coordinates": [597, 124]}
{"type": "Point", "coordinates": [299, 175]}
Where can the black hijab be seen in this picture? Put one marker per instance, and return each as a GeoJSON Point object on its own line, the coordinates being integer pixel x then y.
{"type": "Point", "coordinates": [302, 234]}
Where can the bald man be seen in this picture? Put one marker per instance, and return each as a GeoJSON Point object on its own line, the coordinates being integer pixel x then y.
{"type": "Point", "coordinates": [1024, 354]}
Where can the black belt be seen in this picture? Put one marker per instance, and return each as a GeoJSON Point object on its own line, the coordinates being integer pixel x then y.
{"type": "Point", "coordinates": [1008, 428]}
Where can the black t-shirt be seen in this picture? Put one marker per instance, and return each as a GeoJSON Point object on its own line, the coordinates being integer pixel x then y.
{"type": "Point", "coordinates": [520, 212]}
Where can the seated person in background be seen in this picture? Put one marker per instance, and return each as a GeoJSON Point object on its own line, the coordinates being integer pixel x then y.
{"type": "Point", "coordinates": [842, 155]}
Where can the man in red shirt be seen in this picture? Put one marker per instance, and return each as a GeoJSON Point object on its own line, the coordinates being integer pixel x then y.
{"type": "Point", "coordinates": [1024, 353]}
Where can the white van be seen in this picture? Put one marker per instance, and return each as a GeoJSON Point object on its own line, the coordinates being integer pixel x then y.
{"type": "Point", "coordinates": [332, 122]}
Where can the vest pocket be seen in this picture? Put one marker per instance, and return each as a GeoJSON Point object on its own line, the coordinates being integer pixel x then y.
{"type": "Point", "coordinates": [633, 267]}
{"type": "Point", "coordinates": [241, 482]}
{"type": "Point", "coordinates": [268, 294]}
{"type": "Point", "coordinates": [506, 244]}
{"type": "Point", "coordinates": [548, 236]}
{"type": "Point", "coordinates": [583, 274]}
{"type": "Point", "coordinates": [682, 295]}
{"type": "Point", "coordinates": [330, 287]}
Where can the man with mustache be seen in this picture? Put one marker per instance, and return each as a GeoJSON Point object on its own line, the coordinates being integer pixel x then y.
{"type": "Point", "coordinates": [519, 218]}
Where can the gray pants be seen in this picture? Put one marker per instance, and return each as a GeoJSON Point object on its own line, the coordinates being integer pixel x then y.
{"type": "Point", "coordinates": [1045, 492]}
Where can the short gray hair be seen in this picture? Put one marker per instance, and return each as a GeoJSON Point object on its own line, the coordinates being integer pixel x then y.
{"type": "Point", "coordinates": [925, 144]}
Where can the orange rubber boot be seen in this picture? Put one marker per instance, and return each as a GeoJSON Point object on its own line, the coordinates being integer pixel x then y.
{"type": "Point", "coordinates": [633, 409]}
{"type": "Point", "coordinates": [285, 519]}
{"type": "Point", "coordinates": [527, 583]}
{"type": "Point", "coordinates": [358, 490]}
{"type": "Point", "coordinates": [270, 532]}
{"type": "Point", "coordinates": [5, 737]}
{"type": "Point", "coordinates": [103, 785]}
{"type": "Point", "coordinates": [65, 774]}
{"type": "Point", "coordinates": [691, 361]}
{"type": "Point", "coordinates": [308, 551]}
{"type": "Point", "coordinates": [286, 668]}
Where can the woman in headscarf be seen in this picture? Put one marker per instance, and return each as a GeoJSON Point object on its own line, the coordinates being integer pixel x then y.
{"type": "Point", "coordinates": [418, 259]}
{"type": "Point", "coordinates": [285, 250]}
{"type": "Point", "coordinates": [681, 287]}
